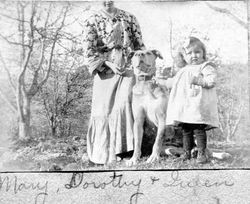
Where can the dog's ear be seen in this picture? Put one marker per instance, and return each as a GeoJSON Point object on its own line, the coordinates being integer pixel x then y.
{"type": "Point", "coordinates": [157, 53]}
{"type": "Point", "coordinates": [130, 55]}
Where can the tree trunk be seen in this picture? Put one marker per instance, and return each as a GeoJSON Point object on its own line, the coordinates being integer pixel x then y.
{"type": "Point", "coordinates": [24, 119]}
{"type": "Point", "coordinates": [24, 130]}
{"type": "Point", "coordinates": [54, 125]}
{"type": "Point", "coordinates": [53, 131]}
{"type": "Point", "coordinates": [228, 139]}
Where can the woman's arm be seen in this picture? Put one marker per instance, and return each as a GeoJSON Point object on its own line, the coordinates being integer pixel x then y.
{"type": "Point", "coordinates": [137, 35]}
{"type": "Point", "coordinates": [168, 83]}
{"type": "Point", "coordinates": [92, 57]}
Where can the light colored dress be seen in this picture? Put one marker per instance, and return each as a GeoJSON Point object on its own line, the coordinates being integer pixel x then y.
{"type": "Point", "coordinates": [194, 104]}
{"type": "Point", "coordinates": [111, 114]}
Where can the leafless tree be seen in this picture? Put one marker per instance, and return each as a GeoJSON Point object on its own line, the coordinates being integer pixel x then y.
{"type": "Point", "coordinates": [228, 13]}
{"type": "Point", "coordinates": [38, 38]}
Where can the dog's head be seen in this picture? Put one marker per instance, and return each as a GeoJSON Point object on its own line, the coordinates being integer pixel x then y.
{"type": "Point", "coordinates": [143, 61]}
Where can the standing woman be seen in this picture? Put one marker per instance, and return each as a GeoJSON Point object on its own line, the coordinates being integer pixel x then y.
{"type": "Point", "coordinates": [109, 36]}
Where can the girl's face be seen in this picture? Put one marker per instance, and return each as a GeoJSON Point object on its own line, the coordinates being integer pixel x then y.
{"type": "Point", "coordinates": [194, 55]}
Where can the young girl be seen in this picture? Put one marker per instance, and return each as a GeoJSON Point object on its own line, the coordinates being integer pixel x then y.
{"type": "Point", "coordinates": [193, 100]}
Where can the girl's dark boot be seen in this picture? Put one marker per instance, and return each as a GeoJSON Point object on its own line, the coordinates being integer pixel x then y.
{"type": "Point", "coordinates": [201, 138]}
{"type": "Point", "coordinates": [187, 143]}
{"type": "Point", "coordinates": [201, 158]}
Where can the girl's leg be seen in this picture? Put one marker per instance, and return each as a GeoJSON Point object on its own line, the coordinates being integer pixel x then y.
{"type": "Point", "coordinates": [188, 140]}
{"type": "Point", "coordinates": [201, 138]}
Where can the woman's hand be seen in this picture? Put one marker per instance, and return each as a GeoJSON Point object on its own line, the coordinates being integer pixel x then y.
{"type": "Point", "coordinates": [116, 69]}
{"type": "Point", "coordinates": [168, 83]}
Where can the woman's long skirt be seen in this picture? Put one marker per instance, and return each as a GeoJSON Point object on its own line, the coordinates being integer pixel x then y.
{"type": "Point", "coordinates": [111, 116]}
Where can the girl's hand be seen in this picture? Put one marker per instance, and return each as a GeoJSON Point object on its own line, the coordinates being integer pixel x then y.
{"type": "Point", "coordinates": [194, 80]}
{"type": "Point", "coordinates": [116, 69]}
{"type": "Point", "coordinates": [197, 80]}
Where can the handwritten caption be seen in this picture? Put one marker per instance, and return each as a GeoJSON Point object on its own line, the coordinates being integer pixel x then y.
{"type": "Point", "coordinates": [41, 191]}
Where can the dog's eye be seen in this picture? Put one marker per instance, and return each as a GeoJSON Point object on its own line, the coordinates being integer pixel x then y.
{"type": "Point", "coordinates": [140, 54]}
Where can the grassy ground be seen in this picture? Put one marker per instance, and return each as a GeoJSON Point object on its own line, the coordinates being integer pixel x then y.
{"type": "Point", "coordinates": [70, 154]}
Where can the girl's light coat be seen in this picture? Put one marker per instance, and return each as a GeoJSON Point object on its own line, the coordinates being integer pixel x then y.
{"type": "Point", "coordinates": [190, 103]}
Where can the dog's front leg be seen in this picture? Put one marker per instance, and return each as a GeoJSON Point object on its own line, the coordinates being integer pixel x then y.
{"type": "Point", "coordinates": [138, 134]}
{"type": "Point", "coordinates": [155, 156]}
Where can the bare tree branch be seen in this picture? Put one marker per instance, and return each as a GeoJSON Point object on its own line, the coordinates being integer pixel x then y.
{"type": "Point", "coordinates": [48, 15]}
{"type": "Point", "coordinates": [50, 64]}
{"type": "Point", "coordinates": [13, 42]}
{"type": "Point", "coordinates": [67, 82]}
{"type": "Point", "coordinates": [57, 19]}
{"type": "Point", "coordinates": [24, 67]}
{"type": "Point", "coordinates": [13, 18]}
{"type": "Point", "coordinates": [52, 49]}
{"type": "Point", "coordinates": [47, 111]}
{"type": "Point", "coordinates": [228, 13]}
{"type": "Point", "coordinates": [70, 36]}
{"type": "Point", "coordinates": [21, 26]}
{"type": "Point", "coordinates": [41, 55]}
{"type": "Point", "coordinates": [236, 125]}
{"type": "Point", "coordinates": [34, 85]}
{"type": "Point", "coordinates": [30, 47]}
{"type": "Point", "coordinates": [65, 48]}
{"type": "Point", "coordinates": [45, 28]}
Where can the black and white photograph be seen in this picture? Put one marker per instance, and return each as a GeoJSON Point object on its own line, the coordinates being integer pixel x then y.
{"type": "Point", "coordinates": [120, 85]}
{"type": "Point", "coordinates": [123, 86]}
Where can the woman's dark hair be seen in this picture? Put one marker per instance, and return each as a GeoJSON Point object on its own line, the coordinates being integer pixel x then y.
{"type": "Point", "coordinates": [107, 2]}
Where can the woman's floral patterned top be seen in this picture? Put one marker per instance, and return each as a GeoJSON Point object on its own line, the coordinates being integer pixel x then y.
{"type": "Point", "coordinates": [103, 32]}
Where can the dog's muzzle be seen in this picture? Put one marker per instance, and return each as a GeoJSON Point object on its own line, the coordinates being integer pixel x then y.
{"type": "Point", "coordinates": [143, 67]}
